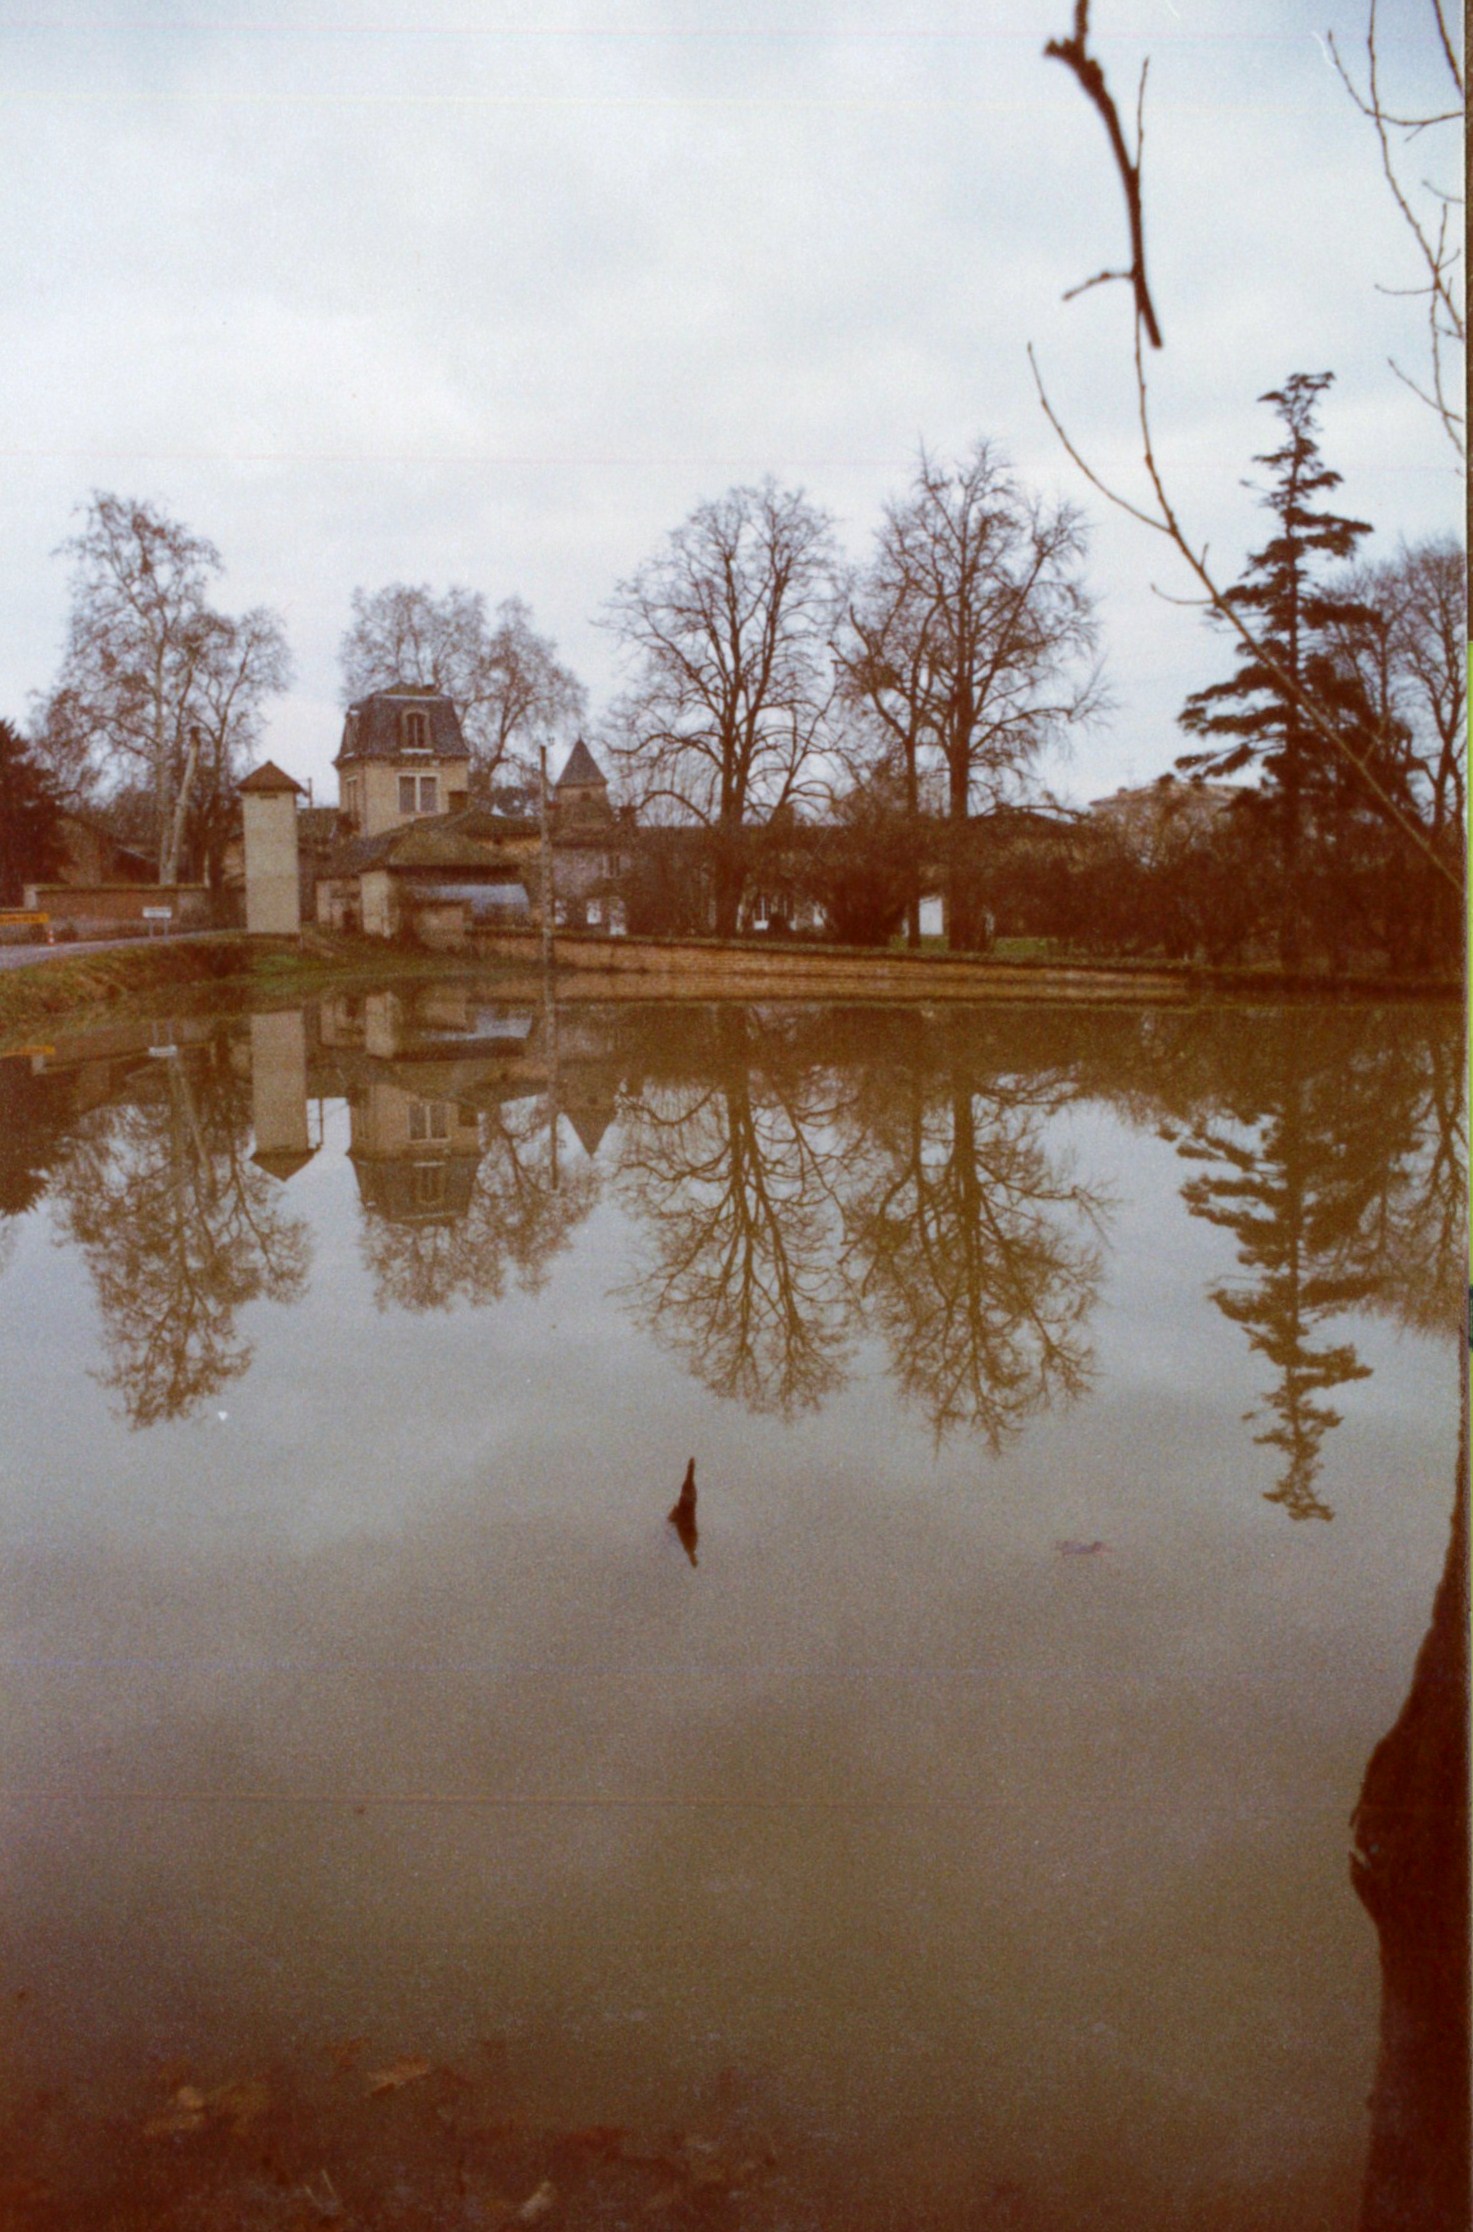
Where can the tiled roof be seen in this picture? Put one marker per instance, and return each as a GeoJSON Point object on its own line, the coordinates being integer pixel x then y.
{"type": "Point", "coordinates": [472, 838]}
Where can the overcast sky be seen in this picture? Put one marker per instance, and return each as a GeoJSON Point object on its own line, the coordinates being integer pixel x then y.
{"type": "Point", "coordinates": [493, 291]}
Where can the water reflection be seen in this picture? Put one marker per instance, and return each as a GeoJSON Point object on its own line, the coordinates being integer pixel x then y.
{"type": "Point", "coordinates": [970, 1242]}
{"type": "Point", "coordinates": [730, 1177]}
{"type": "Point", "coordinates": [179, 1230]}
{"type": "Point", "coordinates": [797, 1181]}
{"type": "Point", "coordinates": [995, 1841]}
{"type": "Point", "coordinates": [1333, 1157]}
{"type": "Point", "coordinates": [455, 1156]}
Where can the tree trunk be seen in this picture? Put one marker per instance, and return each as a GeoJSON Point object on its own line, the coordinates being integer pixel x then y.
{"type": "Point", "coordinates": [1410, 1869]}
{"type": "Point", "coordinates": [960, 912]}
{"type": "Point", "coordinates": [913, 865]}
{"type": "Point", "coordinates": [169, 864]}
{"type": "Point", "coordinates": [729, 882]}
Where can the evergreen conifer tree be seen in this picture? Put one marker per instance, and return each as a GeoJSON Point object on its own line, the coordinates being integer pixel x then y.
{"type": "Point", "coordinates": [32, 849]}
{"type": "Point", "coordinates": [1255, 714]}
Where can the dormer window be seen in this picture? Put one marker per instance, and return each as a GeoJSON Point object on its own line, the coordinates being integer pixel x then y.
{"type": "Point", "coordinates": [414, 730]}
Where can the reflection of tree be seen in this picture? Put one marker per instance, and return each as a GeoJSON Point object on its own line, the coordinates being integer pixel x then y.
{"type": "Point", "coordinates": [34, 1116]}
{"type": "Point", "coordinates": [967, 1246]}
{"type": "Point", "coordinates": [179, 1231]}
{"type": "Point", "coordinates": [517, 1219]}
{"type": "Point", "coordinates": [1340, 1178]}
{"type": "Point", "coordinates": [732, 1180]}
{"type": "Point", "coordinates": [1412, 1237]}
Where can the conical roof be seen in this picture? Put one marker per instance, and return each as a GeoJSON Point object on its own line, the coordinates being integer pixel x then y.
{"type": "Point", "coordinates": [582, 767]}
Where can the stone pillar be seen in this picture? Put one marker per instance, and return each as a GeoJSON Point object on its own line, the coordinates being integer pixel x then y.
{"type": "Point", "coordinates": [268, 801]}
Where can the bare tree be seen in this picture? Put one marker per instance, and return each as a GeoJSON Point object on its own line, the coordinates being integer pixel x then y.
{"type": "Point", "coordinates": [727, 629]}
{"type": "Point", "coordinates": [510, 690]}
{"type": "Point", "coordinates": [1411, 656]}
{"type": "Point", "coordinates": [152, 677]}
{"type": "Point", "coordinates": [973, 641]}
{"type": "Point", "coordinates": [1427, 210]}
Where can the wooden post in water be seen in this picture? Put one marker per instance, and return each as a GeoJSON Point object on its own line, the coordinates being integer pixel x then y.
{"type": "Point", "coordinates": [549, 994]}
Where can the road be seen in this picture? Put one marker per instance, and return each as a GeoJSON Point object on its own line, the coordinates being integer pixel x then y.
{"type": "Point", "coordinates": [21, 956]}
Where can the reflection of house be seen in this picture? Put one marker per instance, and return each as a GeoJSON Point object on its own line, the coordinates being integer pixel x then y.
{"type": "Point", "coordinates": [415, 1148]}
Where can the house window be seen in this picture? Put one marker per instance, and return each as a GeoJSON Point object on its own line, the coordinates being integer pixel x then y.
{"type": "Point", "coordinates": [429, 1120]}
{"type": "Point", "coordinates": [429, 1185]}
{"type": "Point", "coordinates": [595, 912]}
{"type": "Point", "coordinates": [416, 732]}
{"type": "Point", "coordinates": [406, 794]}
{"type": "Point", "coordinates": [429, 794]}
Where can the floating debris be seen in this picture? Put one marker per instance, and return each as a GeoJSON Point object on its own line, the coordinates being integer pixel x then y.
{"type": "Point", "coordinates": [406, 2071]}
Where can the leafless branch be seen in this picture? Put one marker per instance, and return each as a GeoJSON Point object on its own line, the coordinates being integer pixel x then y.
{"type": "Point", "coordinates": [1439, 256]}
{"type": "Point", "coordinates": [1074, 53]}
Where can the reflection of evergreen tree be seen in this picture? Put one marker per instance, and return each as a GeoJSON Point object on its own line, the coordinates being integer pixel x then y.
{"type": "Point", "coordinates": [519, 1216]}
{"type": "Point", "coordinates": [34, 1115]}
{"type": "Point", "coordinates": [732, 1181]}
{"type": "Point", "coordinates": [1332, 1145]}
{"type": "Point", "coordinates": [1293, 1193]}
{"type": "Point", "coordinates": [968, 1245]}
{"type": "Point", "coordinates": [179, 1231]}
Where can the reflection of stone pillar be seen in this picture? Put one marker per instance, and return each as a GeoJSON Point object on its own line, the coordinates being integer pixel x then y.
{"type": "Point", "coordinates": [279, 1092]}
{"type": "Point", "coordinates": [382, 1015]}
{"type": "Point", "coordinates": [268, 801]}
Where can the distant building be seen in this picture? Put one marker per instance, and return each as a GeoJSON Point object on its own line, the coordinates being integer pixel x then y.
{"type": "Point", "coordinates": [1144, 813]}
{"type": "Point", "coordinates": [414, 852]}
{"type": "Point", "coordinates": [93, 856]}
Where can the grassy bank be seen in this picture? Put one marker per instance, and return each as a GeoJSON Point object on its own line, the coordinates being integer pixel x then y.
{"type": "Point", "coordinates": [118, 982]}
{"type": "Point", "coordinates": [114, 982]}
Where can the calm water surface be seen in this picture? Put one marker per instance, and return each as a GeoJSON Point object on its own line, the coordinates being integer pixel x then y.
{"type": "Point", "coordinates": [963, 1816]}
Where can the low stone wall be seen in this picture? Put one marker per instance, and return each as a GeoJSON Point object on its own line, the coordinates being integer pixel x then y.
{"type": "Point", "coordinates": [695, 967]}
{"type": "Point", "coordinates": [113, 910]}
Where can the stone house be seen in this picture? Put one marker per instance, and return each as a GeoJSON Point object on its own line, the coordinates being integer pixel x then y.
{"type": "Point", "coordinates": [403, 758]}
{"type": "Point", "coordinates": [414, 852]}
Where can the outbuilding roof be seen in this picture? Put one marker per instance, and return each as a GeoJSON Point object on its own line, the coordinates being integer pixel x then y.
{"type": "Point", "coordinates": [471, 839]}
{"type": "Point", "coordinates": [376, 729]}
{"type": "Point", "coordinates": [269, 777]}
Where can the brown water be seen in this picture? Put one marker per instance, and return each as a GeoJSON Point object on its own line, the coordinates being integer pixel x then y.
{"type": "Point", "coordinates": [958, 1837]}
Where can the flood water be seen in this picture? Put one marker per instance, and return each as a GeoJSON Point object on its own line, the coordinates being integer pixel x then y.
{"type": "Point", "coordinates": [951, 1828]}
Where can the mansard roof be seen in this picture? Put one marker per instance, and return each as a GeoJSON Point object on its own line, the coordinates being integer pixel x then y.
{"type": "Point", "coordinates": [374, 728]}
{"type": "Point", "coordinates": [582, 767]}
